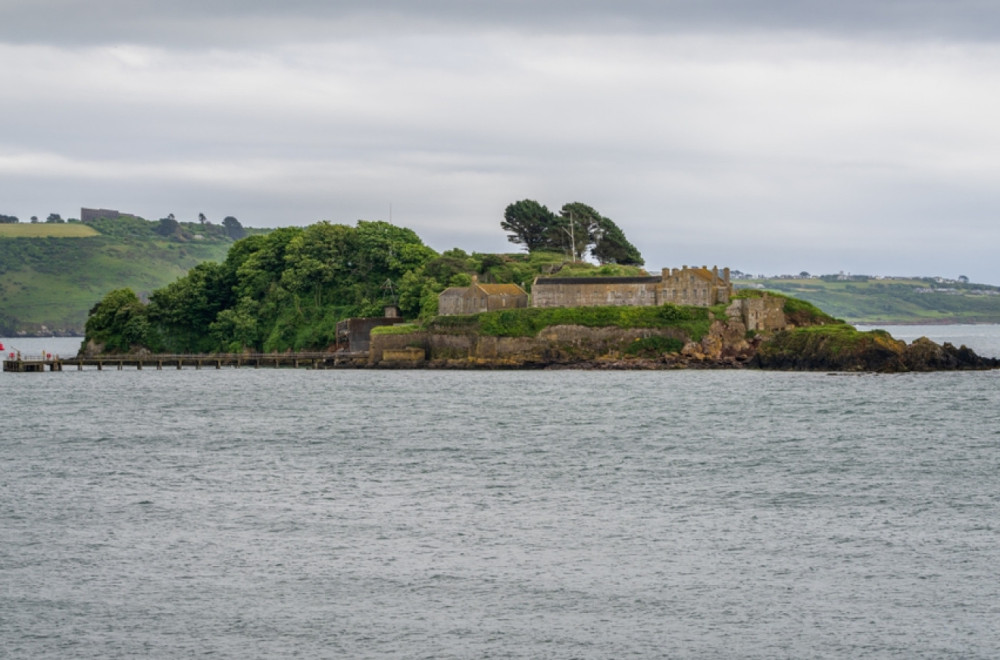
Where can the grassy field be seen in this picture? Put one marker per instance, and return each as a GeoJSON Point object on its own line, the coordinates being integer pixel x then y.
{"type": "Point", "coordinates": [46, 230]}
{"type": "Point", "coordinates": [893, 300]}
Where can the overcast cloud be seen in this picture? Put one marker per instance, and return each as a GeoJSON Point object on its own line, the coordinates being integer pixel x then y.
{"type": "Point", "coordinates": [772, 137]}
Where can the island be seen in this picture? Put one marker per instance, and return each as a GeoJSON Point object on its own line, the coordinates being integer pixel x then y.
{"type": "Point", "coordinates": [374, 296]}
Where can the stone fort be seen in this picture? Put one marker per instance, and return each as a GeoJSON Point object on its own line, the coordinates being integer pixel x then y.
{"type": "Point", "coordinates": [700, 287]}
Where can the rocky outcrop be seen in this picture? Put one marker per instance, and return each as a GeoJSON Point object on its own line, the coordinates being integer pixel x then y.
{"type": "Point", "coordinates": [925, 355]}
{"type": "Point", "coordinates": [728, 344]}
{"type": "Point", "coordinates": [845, 349]}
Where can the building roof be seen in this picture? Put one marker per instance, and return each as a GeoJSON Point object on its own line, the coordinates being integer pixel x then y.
{"type": "Point", "coordinates": [652, 279]}
{"type": "Point", "coordinates": [454, 291]}
{"type": "Point", "coordinates": [501, 289]}
{"type": "Point", "coordinates": [704, 273]}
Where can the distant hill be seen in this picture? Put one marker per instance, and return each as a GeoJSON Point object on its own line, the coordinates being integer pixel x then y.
{"type": "Point", "coordinates": [866, 300]}
{"type": "Point", "coordinates": [51, 274]}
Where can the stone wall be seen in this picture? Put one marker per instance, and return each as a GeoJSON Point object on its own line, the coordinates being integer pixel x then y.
{"type": "Point", "coordinates": [478, 298]}
{"type": "Point", "coordinates": [456, 302]}
{"type": "Point", "coordinates": [695, 286]}
{"type": "Point", "coordinates": [764, 314]}
{"type": "Point", "coordinates": [594, 291]}
{"type": "Point", "coordinates": [563, 344]}
{"type": "Point", "coordinates": [89, 215]}
{"type": "Point", "coordinates": [356, 333]}
{"type": "Point", "coordinates": [680, 286]}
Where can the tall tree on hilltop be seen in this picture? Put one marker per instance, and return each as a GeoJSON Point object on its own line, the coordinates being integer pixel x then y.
{"type": "Point", "coordinates": [233, 227]}
{"type": "Point", "coordinates": [168, 226]}
{"type": "Point", "coordinates": [576, 225]}
{"type": "Point", "coordinates": [577, 228]}
{"type": "Point", "coordinates": [611, 246]}
{"type": "Point", "coordinates": [529, 224]}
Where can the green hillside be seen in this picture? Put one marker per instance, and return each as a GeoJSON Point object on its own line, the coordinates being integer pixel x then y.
{"type": "Point", "coordinates": [52, 274]}
{"type": "Point", "coordinates": [47, 229]}
{"type": "Point", "coordinates": [861, 299]}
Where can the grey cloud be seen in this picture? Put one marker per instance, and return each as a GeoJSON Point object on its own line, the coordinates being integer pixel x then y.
{"type": "Point", "coordinates": [235, 24]}
{"type": "Point", "coordinates": [768, 136]}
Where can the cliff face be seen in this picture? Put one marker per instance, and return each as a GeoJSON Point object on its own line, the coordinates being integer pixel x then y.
{"type": "Point", "coordinates": [568, 346]}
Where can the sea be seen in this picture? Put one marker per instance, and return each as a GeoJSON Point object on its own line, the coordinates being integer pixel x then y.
{"type": "Point", "coordinates": [245, 513]}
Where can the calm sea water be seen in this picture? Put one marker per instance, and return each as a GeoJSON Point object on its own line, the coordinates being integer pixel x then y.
{"type": "Point", "coordinates": [419, 514]}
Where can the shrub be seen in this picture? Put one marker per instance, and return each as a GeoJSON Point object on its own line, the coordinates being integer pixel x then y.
{"type": "Point", "coordinates": [528, 322]}
{"type": "Point", "coordinates": [654, 346]}
{"type": "Point", "coordinates": [398, 329]}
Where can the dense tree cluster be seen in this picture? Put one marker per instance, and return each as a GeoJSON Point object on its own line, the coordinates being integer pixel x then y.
{"type": "Point", "coordinates": [285, 289]}
{"type": "Point", "coordinates": [576, 229]}
{"type": "Point", "coordinates": [8, 219]}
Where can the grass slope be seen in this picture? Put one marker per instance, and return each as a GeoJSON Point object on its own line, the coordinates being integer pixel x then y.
{"type": "Point", "coordinates": [45, 230]}
{"type": "Point", "coordinates": [896, 300]}
{"type": "Point", "coordinates": [53, 282]}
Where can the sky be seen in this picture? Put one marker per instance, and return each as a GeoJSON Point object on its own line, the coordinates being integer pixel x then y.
{"type": "Point", "coordinates": [769, 136]}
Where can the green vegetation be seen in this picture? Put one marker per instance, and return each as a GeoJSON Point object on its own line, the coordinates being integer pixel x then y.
{"type": "Point", "coordinates": [288, 289]}
{"type": "Point", "coordinates": [837, 347]}
{"type": "Point", "coordinates": [652, 347]}
{"type": "Point", "coordinates": [52, 282]}
{"type": "Point", "coordinates": [47, 230]}
{"type": "Point", "coordinates": [576, 229]}
{"type": "Point", "coordinates": [584, 269]}
{"type": "Point", "coordinates": [528, 322]}
{"type": "Point", "coordinates": [283, 290]}
{"type": "Point", "coordinates": [397, 329]}
{"type": "Point", "coordinates": [894, 300]}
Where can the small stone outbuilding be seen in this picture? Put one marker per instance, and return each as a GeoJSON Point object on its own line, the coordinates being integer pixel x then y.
{"type": "Point", "coordinates": [354, 335]}
{"type": "Point", "coordinates": [477, 298]}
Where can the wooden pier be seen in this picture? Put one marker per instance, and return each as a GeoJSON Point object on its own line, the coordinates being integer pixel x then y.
{"type": "Point", "coordinates": [338, 360]}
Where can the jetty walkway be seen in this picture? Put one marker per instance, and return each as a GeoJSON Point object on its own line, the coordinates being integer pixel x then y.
{"type": "Point", "coordinates": [317, 360]}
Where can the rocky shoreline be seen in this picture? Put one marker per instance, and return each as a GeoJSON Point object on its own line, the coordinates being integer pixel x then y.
{"type": "Point", "coordinates": [726, 346]}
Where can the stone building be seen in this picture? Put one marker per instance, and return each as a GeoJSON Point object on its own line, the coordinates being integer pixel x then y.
{"type": "Point", "coordinates": [761, 314]}
{"type": "Point", "coordinates": [477, 298]}
{"type": "Point", "coordinates": [701, 287]}
{"type": "Point", "coordinates": [695, 286]}
{"type": "Point", "coordinates": [89, 215]}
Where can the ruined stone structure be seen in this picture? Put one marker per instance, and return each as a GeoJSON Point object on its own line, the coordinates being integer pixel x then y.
{"type": "Point", "coordinates": [89, 215]}
{"type": "Point", "coordinates": [681, 286]}
{"type": "Point", "coordinates": [354, 335]}
{"type": "Point", "coordinates": [477, 298]}
{"type": "Point", "coordinates": [762, 314]}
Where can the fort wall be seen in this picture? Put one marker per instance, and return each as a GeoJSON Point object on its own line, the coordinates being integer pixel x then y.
{"type": "Point", "coordinates": [595, 291]}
